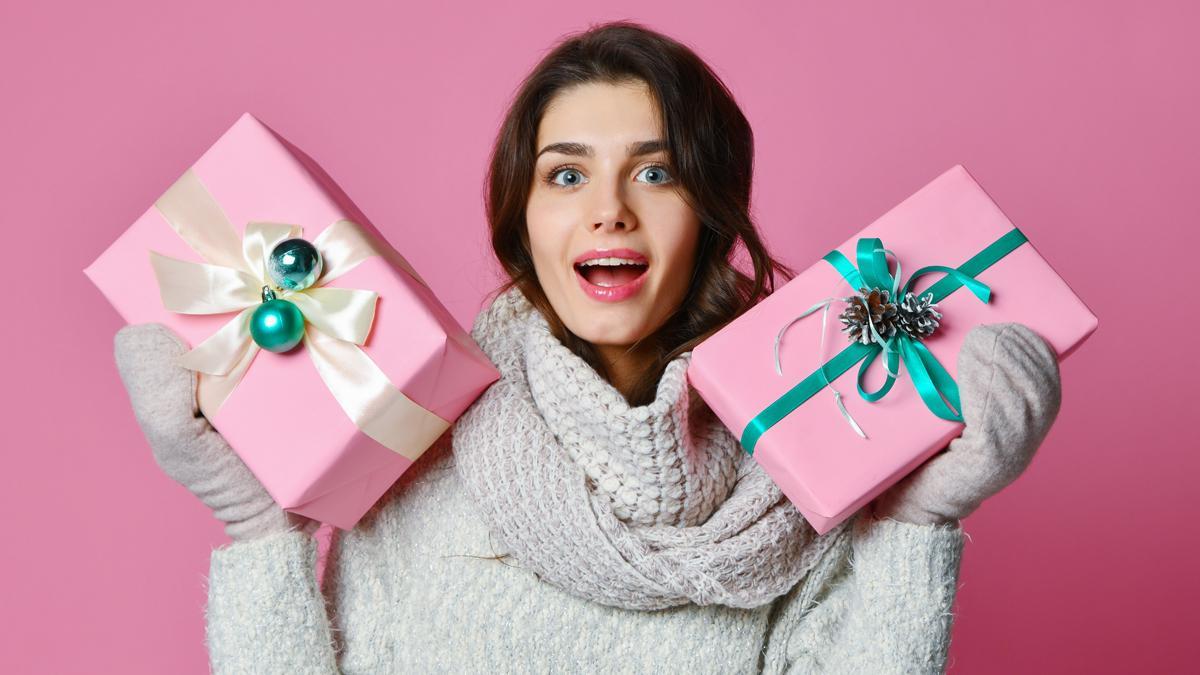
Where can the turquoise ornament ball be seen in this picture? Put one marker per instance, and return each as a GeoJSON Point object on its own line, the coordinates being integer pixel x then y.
{"type": "Point", "coordinates": [277, 325]}
{"type": "Point", "coordinates": [294, 264]}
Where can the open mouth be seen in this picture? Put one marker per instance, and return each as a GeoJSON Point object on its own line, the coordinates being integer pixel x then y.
{"type": "Point", "coordinates": [612, 279]}
{"type": "Point", "coordinates": [609, 276]}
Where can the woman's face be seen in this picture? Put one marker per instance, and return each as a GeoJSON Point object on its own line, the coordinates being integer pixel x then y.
{"type": "Point", "coordinates": [603, 189]}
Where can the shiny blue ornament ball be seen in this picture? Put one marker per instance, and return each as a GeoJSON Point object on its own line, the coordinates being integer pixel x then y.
{"type": "Point", "coordinates": [277, 325]}
{"type": "Point", "coordinates": [294, 264]}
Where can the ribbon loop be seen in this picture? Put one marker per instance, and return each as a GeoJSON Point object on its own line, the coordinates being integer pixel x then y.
{"type": "Point", "coordinates": [872, 264]}
{"type": "Point", "coordinates": [343, 313]}
{"type": "Point", "coordinates": [199, 288]}
{"type": "Point", "coordinates": [337, 320]}
{"type": "Point", "coordinates": [892, 361]}
{"type": "Point", "coordinates": [826, 303]}
{"type": "Point", "coordinates": [932, 381]}
{"type": "Point", "coordinates": [977, 287]}
{"type": "Point", "coordinates": [222, 350]}
{"type": "Point", "coordinates": [343, 246]}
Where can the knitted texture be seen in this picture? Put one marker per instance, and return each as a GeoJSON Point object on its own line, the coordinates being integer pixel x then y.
{"type": "Point", "coordinates": [416, 588]}
{"type": "Point", "coordinates": [186, 447]}
{"type": "Point", "coordinates": [1009, 379]}
{"type": "Point", "coordinates": [670, 462]}
{"type": "Point", "coordinates": [422, 585]}
{"type": "Point", "coordinates": [640, 508]}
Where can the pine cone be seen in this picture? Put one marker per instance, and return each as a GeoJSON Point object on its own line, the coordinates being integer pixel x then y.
{"type": "Point", "coordinates": [882, 313]}
{"type": "Point", "coordinates": [917, 316]}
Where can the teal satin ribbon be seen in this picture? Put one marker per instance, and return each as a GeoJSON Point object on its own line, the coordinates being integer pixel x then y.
{"type": "Point", "coordinates": [931, 380]}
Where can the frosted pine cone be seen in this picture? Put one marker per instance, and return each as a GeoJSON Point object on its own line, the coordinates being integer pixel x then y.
{"type": "Point", "coordinates": [918, 316]}
{"type": "Point", "coordinates": [878, 310]}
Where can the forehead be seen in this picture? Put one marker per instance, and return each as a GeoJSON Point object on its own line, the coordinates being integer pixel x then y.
{"type": "Point", "coordinates": [601, 114]}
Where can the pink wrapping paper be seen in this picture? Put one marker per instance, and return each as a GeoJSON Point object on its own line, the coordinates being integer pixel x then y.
{"type": "Point", "coordinates": [826, 469]}
{"type": "Point", "coordinates": [282, 419]}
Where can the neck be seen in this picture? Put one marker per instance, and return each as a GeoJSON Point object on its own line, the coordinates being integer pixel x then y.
{"type": "Point", "coordinates": [624, 365]}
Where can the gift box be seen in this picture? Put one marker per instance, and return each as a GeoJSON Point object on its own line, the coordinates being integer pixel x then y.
{"type": "Point", "coordinates": [819, 409]}
{"type": "Point", "coordinates": [382, 368]}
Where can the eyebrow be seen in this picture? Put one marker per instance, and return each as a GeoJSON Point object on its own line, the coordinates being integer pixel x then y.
{"type": "Point", "coordinates": [635, 149]}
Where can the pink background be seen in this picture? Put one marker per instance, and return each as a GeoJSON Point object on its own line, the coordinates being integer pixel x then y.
{"type": "Point", "coordinates": [1079, 118]}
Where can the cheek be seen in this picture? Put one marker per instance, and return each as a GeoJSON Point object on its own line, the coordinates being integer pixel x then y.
{"type": "Point", "coordinates": [547, 245]}
{"type": "Point", "coordinates": [680, 254]}
{"type": "Point", "coordinates": [542, 256]}
{"type": "Point", "coordinates": [545, 217]}
{"type": "Point", "coordinates": [679, 274]}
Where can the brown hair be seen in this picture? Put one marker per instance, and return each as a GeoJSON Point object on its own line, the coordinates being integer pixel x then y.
{"type": "Point", "coordinates": [710, 146]}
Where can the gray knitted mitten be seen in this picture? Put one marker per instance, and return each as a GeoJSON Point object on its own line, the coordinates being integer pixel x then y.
{"type": "Point", "coordinates": [1009, 386]}
{"type": "Point", "coordinates": [185, 445]}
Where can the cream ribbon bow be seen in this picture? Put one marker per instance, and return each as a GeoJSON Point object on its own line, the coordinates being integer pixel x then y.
{"type": "Point", "coordinates": [337, 320]}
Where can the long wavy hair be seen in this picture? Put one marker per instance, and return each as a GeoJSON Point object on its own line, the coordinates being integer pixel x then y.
{"type": "Point", "coordinates": [710, 147]}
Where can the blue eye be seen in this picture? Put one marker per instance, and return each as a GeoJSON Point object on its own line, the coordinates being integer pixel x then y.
{"type": "Point", "coordinates": [660, 171]}
{"type": "Point", "coordinates": [562, 172]}
{"type": "Point", "coordinates": [656, 173]}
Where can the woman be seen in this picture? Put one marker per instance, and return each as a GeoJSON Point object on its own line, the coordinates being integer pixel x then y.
{"type": "Point", "coordinates": [589, 513]}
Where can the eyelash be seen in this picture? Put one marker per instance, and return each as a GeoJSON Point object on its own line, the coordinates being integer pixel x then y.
{"type": "Point", "coordinates": [553, 173]}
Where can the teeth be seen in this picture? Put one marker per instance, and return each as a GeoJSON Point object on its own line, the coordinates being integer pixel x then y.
{"type": "Point", "coordinates": [609, 262]}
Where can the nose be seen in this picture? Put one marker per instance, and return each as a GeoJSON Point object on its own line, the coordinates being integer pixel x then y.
{"type": "Point", "coordinates": [610, 212]}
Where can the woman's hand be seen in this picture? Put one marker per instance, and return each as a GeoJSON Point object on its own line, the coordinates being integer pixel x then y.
{"type": "Point", "coordinates": [1010, 391]}
{"type": "Point", "coordinates": [185, 445]}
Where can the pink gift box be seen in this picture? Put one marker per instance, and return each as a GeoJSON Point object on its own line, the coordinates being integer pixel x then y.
{"type": "Point", "coordinates": [282, 418]}
{"type": "Point", "coordinates": [826, 469]}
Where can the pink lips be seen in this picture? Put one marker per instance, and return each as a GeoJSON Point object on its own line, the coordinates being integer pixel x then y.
{"type": "Point", "coordinates": [611, 293]}
{"type": "Point", "coordinates": [611, 253]}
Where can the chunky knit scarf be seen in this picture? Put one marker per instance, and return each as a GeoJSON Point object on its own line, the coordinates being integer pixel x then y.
{"type": "Point", "coordinates": [637, 507]}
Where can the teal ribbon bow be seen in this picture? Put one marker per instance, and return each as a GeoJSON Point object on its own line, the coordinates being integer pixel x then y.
{"type": "Point", "coordinates": [937, 389]}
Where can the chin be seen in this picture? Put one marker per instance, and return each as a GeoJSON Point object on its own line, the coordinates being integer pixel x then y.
{"type": "Point", "coordinates": [608, 338]}
{"type": "Point", "coordinates": [614, 331]}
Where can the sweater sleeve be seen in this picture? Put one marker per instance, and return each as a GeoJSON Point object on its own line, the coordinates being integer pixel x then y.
{"type": "Point", "coordinates": [265, 610]}
{"type": "Point", "coordinates": [889, 610]}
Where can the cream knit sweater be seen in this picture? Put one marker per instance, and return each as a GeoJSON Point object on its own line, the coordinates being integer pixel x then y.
{"type": "Point", "coordinates": [416, 588]}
